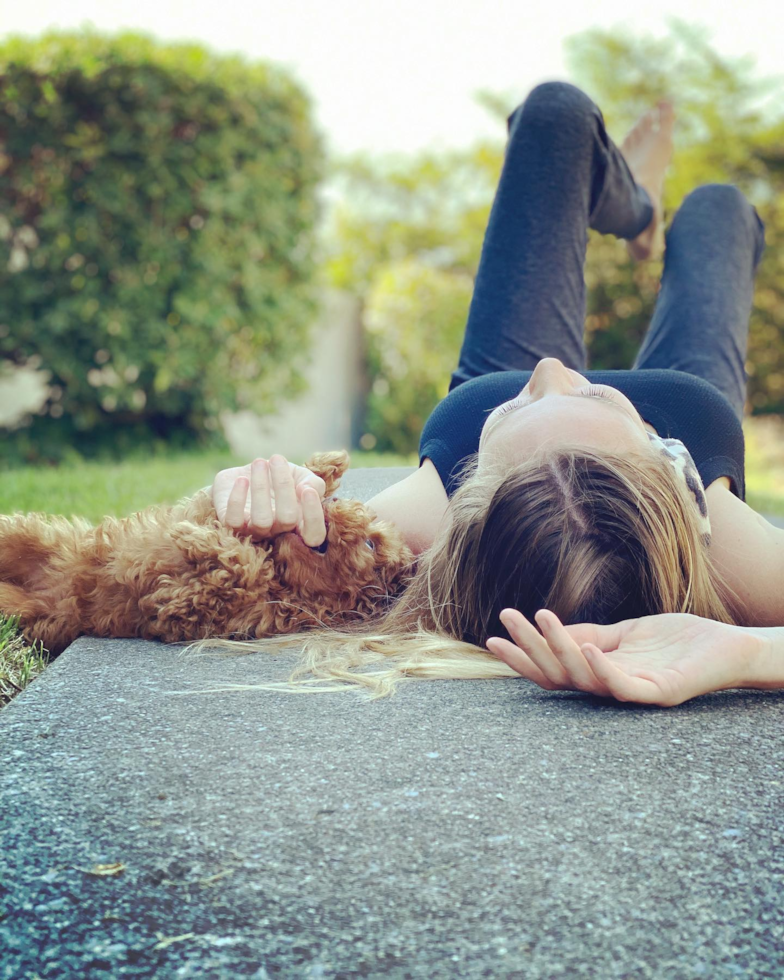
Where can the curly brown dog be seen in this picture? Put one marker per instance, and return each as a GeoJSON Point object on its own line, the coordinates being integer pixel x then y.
{"type": "Point", "coordinates": [176, 573]}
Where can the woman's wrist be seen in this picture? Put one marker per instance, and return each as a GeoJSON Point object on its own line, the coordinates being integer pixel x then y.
{"type": "Point", "coordinates": [761, 658]}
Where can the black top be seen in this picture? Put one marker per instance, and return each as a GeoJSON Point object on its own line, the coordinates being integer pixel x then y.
{"type": "Point", "coordinates": [678, 405]}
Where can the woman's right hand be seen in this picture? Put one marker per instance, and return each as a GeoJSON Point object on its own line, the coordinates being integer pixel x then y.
{"type": "Point", "coordinates": [663, 660]}
{"type": "Point", "coordinates": [267, 498]}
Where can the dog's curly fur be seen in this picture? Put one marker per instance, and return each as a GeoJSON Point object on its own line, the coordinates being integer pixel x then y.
{"type": "Point", "coordinates": [176, 573]}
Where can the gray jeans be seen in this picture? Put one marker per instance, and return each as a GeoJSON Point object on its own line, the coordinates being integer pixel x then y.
{"type": "Point", "coordinates": [562, 174]}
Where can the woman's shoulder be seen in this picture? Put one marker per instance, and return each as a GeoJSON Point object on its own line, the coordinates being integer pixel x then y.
{"type": "Point", "coordinates": [748, 552]}
{"type": "Point", "coordinates": [415, 505]}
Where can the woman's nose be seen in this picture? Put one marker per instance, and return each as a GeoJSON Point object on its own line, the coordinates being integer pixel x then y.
{"type": "Point", "coordinates": [550, 374]}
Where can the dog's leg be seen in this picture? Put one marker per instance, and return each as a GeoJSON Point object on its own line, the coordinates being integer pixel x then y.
{"type": "Point", "coordinates": [22, 550]}
{"type": "Point", "coordinates": [330, 467]}
{"type": "Point", "coordinates": [36, 620]}
{"type": "Point", "coordinates": [13, 600]}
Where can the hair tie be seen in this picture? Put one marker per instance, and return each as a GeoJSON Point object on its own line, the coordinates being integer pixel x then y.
{"type": "Point", "coordinates": [680, 458]}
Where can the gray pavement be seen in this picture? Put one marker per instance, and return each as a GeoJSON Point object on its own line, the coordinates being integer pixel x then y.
{"type": "Point", "coordinates": [459, 829]}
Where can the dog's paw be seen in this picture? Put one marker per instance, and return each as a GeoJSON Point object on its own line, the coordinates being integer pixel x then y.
{"type": "Point", "coordinates": [330, 467]}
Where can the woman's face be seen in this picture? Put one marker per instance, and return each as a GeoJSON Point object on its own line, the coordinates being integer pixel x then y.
{"type": "Point", "coordinates": [558, 406]}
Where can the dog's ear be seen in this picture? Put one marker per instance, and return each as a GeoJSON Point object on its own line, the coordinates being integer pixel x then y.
{"type": "Point", "coordinates": [330, 467]}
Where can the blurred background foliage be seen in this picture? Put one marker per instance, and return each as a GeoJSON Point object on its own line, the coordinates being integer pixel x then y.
{"type": "Point", "coordinates": [156, 239]}
{"type": "Point", "coordinates": [407, 234]}
{"type": "Point", "coordinates": [162, 243]}
{"type": "Point", "coordinates": [415, 316]}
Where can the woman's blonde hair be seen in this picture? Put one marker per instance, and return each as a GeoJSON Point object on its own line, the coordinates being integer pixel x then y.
{"type": "Point", "coordinates": [593, 536]}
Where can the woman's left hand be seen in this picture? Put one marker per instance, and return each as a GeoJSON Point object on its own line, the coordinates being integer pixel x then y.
{"type": "Point", "coordinates": [268, 498]}
{"type": "Point", "coordinates": [662, 660]}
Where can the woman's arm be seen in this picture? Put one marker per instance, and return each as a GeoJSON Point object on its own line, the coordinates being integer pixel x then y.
{"type": "Point", "coordinates": [662, 660]}
{"type": "Point", "coordinates": [415, 506]}
{"type": "Point", "coordinates": [749, 553]}
{"type": "Point", "coordinates": [765, 670]}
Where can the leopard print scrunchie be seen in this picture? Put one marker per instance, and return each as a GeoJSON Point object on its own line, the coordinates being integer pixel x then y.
{"type": "Point", "coordinates": [680, 458]}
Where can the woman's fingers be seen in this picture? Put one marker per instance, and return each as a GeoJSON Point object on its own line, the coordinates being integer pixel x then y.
{"type": "Point", "coordinates": [536, 647]}
{"type": "Point", "coordinates": [274, 505]}
{"type": "Point", "coordinates": [261, 515]}
{"type": "Point", "coordinates": [531, 657]}
{"type": "Point", "coordinates": [318, 484]}
{"type": "Point", "coordinates": [277, 502]}
{"type": "Point", "coordinates": [569, 654]}
{"type": "Point", "coordinates": [286, 504]}
{"type": "Point", "coordinates": [235, 507]}
{"type": "Point", "coordinates": [519, 661]}
{"type": "Point", "coordinates": [553, 653]}
{"type": "Point", "coordinates": [312, 528]}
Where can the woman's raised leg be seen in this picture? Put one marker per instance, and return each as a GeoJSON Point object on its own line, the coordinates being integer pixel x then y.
{"type": "Point", "coordinates": [701, 320]}
{"type": "Point", "coordinates": [561, 175]}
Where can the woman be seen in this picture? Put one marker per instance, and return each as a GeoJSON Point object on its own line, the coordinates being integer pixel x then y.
{"type": "Point", "coordinates": [550, 494]}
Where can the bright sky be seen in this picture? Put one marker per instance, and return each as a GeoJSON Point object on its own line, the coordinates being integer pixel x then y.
{"type": "Point", "coordinates": [398, 75]}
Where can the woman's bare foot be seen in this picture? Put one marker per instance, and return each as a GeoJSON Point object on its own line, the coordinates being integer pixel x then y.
{"type": "Point", "coordinates": [647, 150]}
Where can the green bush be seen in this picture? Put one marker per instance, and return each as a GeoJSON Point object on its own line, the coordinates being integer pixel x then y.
{"type": "Point", "coordinates": [156, 229]}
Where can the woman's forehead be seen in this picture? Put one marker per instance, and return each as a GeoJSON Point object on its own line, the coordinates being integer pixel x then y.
{"type": "Point", "coordinates": [598, 423]}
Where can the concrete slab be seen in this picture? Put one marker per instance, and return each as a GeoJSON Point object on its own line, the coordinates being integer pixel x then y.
{"type": "Point", "coordinates": [460, 829]}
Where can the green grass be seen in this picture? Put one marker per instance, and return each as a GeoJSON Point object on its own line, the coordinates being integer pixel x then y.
{"type": "Point", "coordinates": [95, 490]}
{"type": "Point", "coordinates": [19, 662]}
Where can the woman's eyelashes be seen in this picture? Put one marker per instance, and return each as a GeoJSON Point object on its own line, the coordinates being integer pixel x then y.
{"type": "Point", "coordinates": [593, 392]}
{"type": "Point", "coordinates": [509, 406]}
